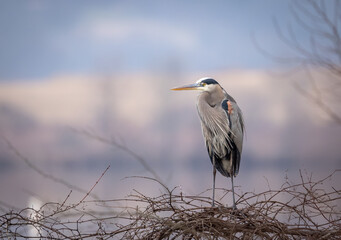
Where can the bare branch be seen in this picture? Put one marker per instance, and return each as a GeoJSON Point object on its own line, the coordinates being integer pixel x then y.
{"type": "Point", "coordinates": [99, 179]}
{"type": "Point", "coordinates": [113, 143]}
{"type": "Point", "coordinates": [41, 172]}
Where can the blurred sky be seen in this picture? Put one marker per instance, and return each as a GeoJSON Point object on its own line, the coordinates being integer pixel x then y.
{"type": "Point", "coordinates": [44, 38]}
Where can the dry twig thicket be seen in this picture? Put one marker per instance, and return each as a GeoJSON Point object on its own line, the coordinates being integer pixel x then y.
{"type": "Point", "coordinates": [306, 210]}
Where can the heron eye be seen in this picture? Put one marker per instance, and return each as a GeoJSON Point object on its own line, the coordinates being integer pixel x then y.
{"type": "Point", "coordinates": [204, 84]}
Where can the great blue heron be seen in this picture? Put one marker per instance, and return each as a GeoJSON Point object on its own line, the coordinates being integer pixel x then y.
{"type": "Point", "coordinates": [222, 127]}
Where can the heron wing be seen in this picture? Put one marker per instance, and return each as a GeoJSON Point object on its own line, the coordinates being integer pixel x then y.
{"type": "Point", "coordinates": [236, 124]}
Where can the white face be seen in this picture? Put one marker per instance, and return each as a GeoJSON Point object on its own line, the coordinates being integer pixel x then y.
{"type": "Point", "coordinates": [205, 87]}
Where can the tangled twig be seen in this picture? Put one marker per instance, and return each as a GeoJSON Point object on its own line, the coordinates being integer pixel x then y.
{"type": "Point", "coordinates": [295, 211]}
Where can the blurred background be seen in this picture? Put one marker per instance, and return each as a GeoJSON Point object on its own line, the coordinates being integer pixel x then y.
{"type": "Point", "coordinates": [85, 84]}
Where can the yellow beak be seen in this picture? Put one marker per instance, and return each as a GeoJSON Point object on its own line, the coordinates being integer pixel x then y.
{"type": "Point", "coordinates": [194, 86]}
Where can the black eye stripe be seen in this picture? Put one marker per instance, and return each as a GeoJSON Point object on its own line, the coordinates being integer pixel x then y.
{"type": "Point", "coordinates": [209, 81]}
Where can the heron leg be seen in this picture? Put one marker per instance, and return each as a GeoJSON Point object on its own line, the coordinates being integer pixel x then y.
{"type": "Point", "coordinates": [234, 201]}
{"type": "Point", "coordinates": [214, 173]}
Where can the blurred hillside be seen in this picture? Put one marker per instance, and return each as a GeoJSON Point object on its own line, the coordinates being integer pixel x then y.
{"type": "Point", "coordinates": [139, 109]}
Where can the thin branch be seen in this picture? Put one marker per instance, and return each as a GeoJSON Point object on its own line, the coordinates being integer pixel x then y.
{"type": "Point", "coordinates": [318, 101]}
{"type": "Point", "coordinates": [40, 171]}
{"type": "Point", "coordinates": [123, 147]}
{"type": "Point", "coordinates": [99, 179]}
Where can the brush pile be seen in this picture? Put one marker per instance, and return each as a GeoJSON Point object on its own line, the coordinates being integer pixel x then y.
{"type": "Point", "coordinates": [295, 211]}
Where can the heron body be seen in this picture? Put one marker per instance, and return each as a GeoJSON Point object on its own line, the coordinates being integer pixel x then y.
{"type": "Point", "coordinates": [222, 127]}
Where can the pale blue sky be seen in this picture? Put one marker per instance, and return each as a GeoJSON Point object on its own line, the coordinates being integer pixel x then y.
{"type": "Point", "coordinates": [45, 38]}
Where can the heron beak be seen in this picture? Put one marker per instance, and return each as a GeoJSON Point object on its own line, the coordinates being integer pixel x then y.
{"type": "Point", "coordinates": [194, 86]}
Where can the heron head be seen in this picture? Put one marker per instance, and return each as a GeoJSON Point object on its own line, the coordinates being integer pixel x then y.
{"type": "Point", "coordinates": [204, 84]}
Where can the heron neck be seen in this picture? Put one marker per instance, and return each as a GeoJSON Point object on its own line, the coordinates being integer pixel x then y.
{"type": "Point", "coordinates": [212, 99]}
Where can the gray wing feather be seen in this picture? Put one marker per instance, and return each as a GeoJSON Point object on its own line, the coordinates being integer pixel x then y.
{"type": "Point", "coordinates": [237, 134]}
